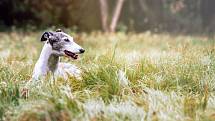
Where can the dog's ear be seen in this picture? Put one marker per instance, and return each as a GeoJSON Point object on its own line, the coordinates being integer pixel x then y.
{"type": "Point", "coordinates": [59, 30]}
{"type": "Point", "coordinates": [45, 36]}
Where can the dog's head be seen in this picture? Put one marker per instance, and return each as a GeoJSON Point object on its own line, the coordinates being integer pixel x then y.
{"type": "Point", "coordinates": [62, 44]}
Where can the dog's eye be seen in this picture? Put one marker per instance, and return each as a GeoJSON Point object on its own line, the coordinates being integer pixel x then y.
{"type": "Point", "coordinates": [66, 40]}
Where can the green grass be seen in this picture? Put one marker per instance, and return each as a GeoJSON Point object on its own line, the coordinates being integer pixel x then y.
{"type": "Point", "coordinates": [155, 77]}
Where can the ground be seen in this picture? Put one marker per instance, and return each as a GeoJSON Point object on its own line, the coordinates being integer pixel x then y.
{"type": "Point", "coordinates": [126, 76]}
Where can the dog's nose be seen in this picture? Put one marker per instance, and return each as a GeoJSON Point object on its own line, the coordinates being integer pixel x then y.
{"type": "Point", "coordinates": [82, 50]}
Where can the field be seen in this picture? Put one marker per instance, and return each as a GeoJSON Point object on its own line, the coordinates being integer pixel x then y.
{"type": "Point", "coordinates": [126, 76]}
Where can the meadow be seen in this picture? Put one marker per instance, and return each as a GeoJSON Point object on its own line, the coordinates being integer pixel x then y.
{"type": "Point", "coordinates": [126, 77]}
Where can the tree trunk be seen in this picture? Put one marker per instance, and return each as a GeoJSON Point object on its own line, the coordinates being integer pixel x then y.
{"type": "Point", "coordinates": [104, 14]}
{"type": "Point", "coordinates": [116, 15]}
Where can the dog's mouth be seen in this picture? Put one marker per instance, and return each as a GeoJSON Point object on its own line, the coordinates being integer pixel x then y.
{"type": "Point", "coordinates": [71, 54]}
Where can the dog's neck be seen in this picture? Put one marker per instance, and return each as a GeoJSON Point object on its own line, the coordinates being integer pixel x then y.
{"type": "Point", "coordinates": [47, 59]}
{"type": "Point", "coordinates": [46, 62]}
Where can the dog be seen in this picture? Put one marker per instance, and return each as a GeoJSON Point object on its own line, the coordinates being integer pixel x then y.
{"type": "Point", "coordinates": [57, 44]}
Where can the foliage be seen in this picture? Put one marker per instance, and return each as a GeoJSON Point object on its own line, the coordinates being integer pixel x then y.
{"type": "Point", "coordinates": [137, 15]}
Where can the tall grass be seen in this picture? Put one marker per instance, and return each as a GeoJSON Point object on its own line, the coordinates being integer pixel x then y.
{"type": "Point", "coordinates": [125, 77]}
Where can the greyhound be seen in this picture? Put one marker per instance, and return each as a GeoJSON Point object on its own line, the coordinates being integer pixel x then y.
{"type": "Point", "coordinates": [57, 44]}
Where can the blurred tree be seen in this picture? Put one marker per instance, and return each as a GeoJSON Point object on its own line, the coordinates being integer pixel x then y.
{"type": "Point", "coordinates": [153, 11]}
{"type": "Point", "coordinates": [208, 15]}
{"type": "Point", "coordinates": [15, 12]}
{"type": "Point", "coordinates": [105, 14]}
{"type": "Point", "coordinates": [116, 15]}
{"type": "Point", "coordinates": [76, 14]}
